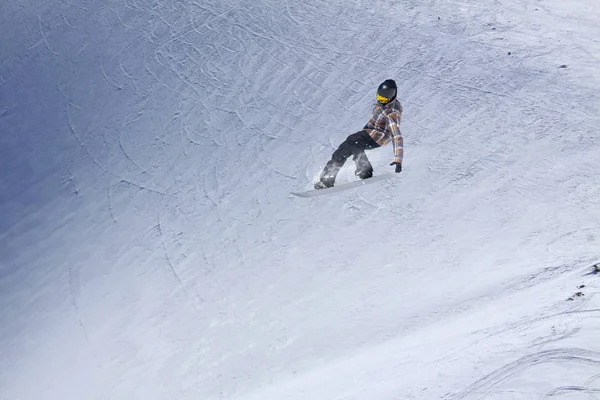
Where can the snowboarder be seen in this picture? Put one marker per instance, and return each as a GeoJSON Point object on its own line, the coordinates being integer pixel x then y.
{"type": "Point", "coordinates": [383, 127]}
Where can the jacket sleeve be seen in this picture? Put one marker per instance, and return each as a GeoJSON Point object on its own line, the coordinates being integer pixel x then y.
{"type": "Point", "coordinates": [398, 142]}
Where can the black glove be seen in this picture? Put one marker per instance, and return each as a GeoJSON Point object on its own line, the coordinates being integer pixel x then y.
{"type": "Point", "coordinates": [398, 166]}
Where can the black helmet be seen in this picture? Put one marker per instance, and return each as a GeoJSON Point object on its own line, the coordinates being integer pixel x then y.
{"type": "Point", "coordinates": [387, 91]}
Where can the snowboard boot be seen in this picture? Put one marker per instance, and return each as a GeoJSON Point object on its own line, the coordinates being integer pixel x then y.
{"type": "Point", "coordinates": [365, 174]}
{"type": "Point", "coordinates": [328, 175]}
{"type": "Point", "coordinates": [320, 185]}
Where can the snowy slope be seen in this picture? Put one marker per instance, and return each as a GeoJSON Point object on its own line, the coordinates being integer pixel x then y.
{"type": "Point", "coordinates": [149, 247]}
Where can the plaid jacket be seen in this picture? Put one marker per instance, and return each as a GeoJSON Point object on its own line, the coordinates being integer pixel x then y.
{"type": "Point", "coordinates": [384, 126]}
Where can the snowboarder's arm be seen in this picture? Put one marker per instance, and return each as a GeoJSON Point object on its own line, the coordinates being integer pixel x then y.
{"type": "Point", "coordinates": [397, 140]}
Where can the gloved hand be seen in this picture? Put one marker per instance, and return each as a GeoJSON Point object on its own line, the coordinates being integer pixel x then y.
{"type": "Point", "coordinates": [398, 166]}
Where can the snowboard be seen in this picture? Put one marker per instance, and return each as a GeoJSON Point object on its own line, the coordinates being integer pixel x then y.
{"type": "Point", "coordinates": [344, 186]}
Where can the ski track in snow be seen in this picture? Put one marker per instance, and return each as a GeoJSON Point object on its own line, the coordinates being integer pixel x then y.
{"type": "Point", "coordinates": [150, 248]}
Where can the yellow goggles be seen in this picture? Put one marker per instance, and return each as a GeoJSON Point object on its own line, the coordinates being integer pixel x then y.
{"type": "Point", "coordinates": [382, 100]}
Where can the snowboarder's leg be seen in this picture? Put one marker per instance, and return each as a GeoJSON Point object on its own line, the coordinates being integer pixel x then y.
{"type": "Point", "coordinates": [362, 141]}
{"type": "Point", "coordinates": [338, 158]}
{"type": "Point", "coordinates": [354, 145]}
{"type": "Point", "coordinates": [364, 169]}
{"type": "Point", "coordinates": [327, 178]}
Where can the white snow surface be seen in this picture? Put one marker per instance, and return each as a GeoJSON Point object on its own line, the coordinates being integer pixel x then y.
{"type": "Point", "coordinates": [150, 248]}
